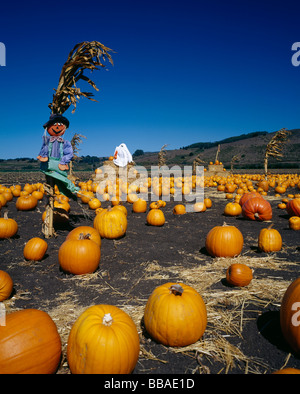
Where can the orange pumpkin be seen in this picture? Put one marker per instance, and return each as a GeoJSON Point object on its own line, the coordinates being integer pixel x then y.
{"type": "Point", "coordinates": [79, 256]}
{"type": "Point", "coordinates": [287, 371]}
{"type": "Point", "coordinates": [239, 275]}
{"type": "Point", "coordinates": [294, 223]}
{"type": "Point", "coordinates": [26, 202]}
{"type": "Point", "coordinates": [29, 343]}
{"type": "Point", "coordinates": [35, 249]}
{"type": "Point", "coordinates": [246, 197]}
{"type": "Point", "coordinates": [232, 209]}
{"type": "Point", "coordinates": [155, 217]}
{"type": "Point", "coordinates": [224, 241]}
{"type": "Point", "coordinates": [269, 240]}
{"type": "Point", "coordinates": [293, 207]}
{"type": "Point", "coordinates": [175, 315]}
{"type": "Point", "coordinates": [89, 231]}
{"type": "Point", "coordinates": [8, 227]}
{"type": "Point", "coordinates": [111, 223]}
{"type": "Point", "coordinates": [257, 208]}
{"type": "Point", "coordinates": [139, 205]}
{"type": "Point", "coordinates": [290, 315]}
{"type": "Point", "coordinates": [6, 285]}
{"type": "Point", "coordinates": [179, 209]}
{"type": "Point", "coordinates": [103, 340]}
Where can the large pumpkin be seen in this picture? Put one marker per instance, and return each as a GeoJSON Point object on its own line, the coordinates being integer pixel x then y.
{"type": "Point", "coordinates": [175, 315]}
{"type": "Point", "coordinates": [269, 240]}
{"type": "Point", "coordinates": [103, 340]}
{"type": "Point", "coordinates": [29, 343]}
{"type": "Point", "coordinates": [89, 231]}
{"type": "Point", "coordinates": [6, 285]}
{"type": "Point", "coordinates": [35, 249]}
{"type": "Point", "coordinates": [293, 207]}
{"type": "Point", "coordinates": [248, 195]}
{"type": "Point", "coordinates": [224, 241]}
{"type": "Point", "coordinates": [79, 256]}
{"type": "Point", "coordinates": [111, 223]}
{"type": "Point", "coordinates": [290, 315]}
{"type": "Point", "coordinates": [8, 227]}
{"type": "Point", "coordinates": [257, 208]}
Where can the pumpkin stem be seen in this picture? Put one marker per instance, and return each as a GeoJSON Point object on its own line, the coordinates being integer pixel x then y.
{"type": "Point", "coordinates": [84, 236]}
{"type": "Point", "coordinates": [271, 225]}
{"type": "Point", "coordinates": [176, 289]}
{"type": "Point", "coordinates": [5, 215]}
{"type": "Point", "coordinates": [107, 319]}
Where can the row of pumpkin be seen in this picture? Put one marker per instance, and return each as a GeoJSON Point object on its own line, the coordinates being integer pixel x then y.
{"type": "Point", "coordinates": [164, 298]}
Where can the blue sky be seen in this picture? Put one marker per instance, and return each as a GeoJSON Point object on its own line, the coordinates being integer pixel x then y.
{"type": "Point", "coordinates": [184, 71]}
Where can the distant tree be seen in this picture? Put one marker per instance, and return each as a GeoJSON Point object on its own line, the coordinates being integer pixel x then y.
{"type": "Point", "coordinates": [138, 152]}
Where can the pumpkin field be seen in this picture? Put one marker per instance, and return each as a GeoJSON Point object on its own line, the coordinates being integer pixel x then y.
{"type": "Point", "coordinates": [230, 261]}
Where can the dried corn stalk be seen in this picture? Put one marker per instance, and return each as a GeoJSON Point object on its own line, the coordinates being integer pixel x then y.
{"type": "Point", "coordinates": [162, 156]}
{"type": "Point", "coordinates": [234, 159]}
{"type": "Point", "coordinates": [196, 162]}
{"type": "Point", "coordinates": [75, 141]}
{"type": "Point", "coordinates": [275, 146]}
{"type": "Point", "coordinates": [86, 55]}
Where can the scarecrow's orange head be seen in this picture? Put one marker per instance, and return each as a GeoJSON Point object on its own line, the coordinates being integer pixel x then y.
{"type": "Point", "coordinates": [56, 125]}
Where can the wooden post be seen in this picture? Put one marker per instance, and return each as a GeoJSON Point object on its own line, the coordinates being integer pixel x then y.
{"type": "Point", "coordinates": [48, 227]}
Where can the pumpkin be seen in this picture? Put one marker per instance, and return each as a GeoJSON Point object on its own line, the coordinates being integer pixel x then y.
{"type": "Point", "coordinates": [287, 371]}
{"type": "Point", "coordinates": [6, 286]}
{"type": "Point", "coordinates": [293, 207]}
{"type": "Point", "coordinates": [179, 209]}
{"type": "Point", "coordinates": [232, 209]}
{"type": "Point", "coordinates": [290, 315]}
{"type": "Point", "coordinates": [155, 217]}
{"type": "Point", "coordinates": [79, 256]}
{"type": "Point", "coordinates": [8, 227]}
{"type": "Point", "coordinates": [208, 202]}
{"type": "Point", "coordinates": [257, 208]}
{"type": "Point", "coordinates": [103, 340]}
{"type": "Point", "coordinates": [60, 204]}
{"type": "Point", "coordinates": [29, 343]}
{"type": "Point", "coordinates": [111, 223]}
{"type": "Point", "coordinates": [35, 249]}
{"type": "Point", "coordinates": [199, 207]}
{"type": "Point", "coordinates": [224, 241]}
{"type": "Point", "coordinates": [239, 275]}
{"type": "Point", "coordinates": [269, 240]}
{"type": "Point", "coordinates": [89, 231]}
{"type": "Point", "coordinates": [26, 202]}
{"type": "Point", "coordinates": [175, 315]}
{"type": "Point", "coordinates": [140, 205]}
{"type": "Point", "coordinates": [294, 222]}
{"type": "Point", "coordinates": [246, 197]}
{"type": "Point", "coordinates": [38, 194]}
{"type": "Point", "coordinates": [122, 208]}
{"type": "Point", "coordinates": [94, 203]}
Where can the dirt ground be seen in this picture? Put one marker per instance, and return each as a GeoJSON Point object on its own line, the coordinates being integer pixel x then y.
{"type": "Point", "coordinates": [243, 334]}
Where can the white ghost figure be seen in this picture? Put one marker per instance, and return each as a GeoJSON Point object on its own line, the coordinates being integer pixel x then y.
{"type": "Point", "coordinates": [122, 156]}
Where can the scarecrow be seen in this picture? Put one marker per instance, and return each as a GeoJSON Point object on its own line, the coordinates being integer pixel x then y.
{"type": "Point", "coordinates": [122, 156]}
{"type": "Point", "coordinates": [56, 152]}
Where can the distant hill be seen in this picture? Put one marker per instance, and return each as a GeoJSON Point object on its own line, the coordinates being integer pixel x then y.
{"type": "Point", "coordinates": [251, 148]}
